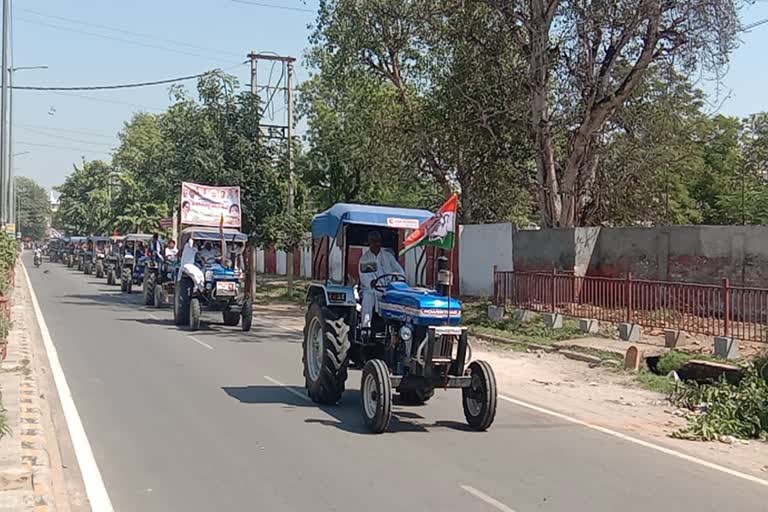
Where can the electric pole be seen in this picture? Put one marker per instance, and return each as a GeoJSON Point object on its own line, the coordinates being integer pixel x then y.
{"type": "Point", "coordinates": [4, 119]}
{"type": "Point", "coordinates": [278, 131]}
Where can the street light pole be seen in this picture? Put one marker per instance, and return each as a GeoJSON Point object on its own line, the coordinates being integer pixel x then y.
{"type": "Point", "coordinates": [3, 116]}
{"type": "Point", "coordinates": [11, 174]}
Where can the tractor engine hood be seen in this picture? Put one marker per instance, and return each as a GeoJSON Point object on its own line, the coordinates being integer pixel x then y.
{"type": "Point", "coordinates": [420, 306]}
{"type": "Point", "coordinates": [219, 273]}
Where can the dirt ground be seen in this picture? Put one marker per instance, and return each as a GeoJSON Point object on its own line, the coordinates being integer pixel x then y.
{"type": "Point", "coordinates": [599, 396]}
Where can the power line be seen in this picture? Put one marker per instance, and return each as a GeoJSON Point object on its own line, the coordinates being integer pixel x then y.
{"type": "Point", "coordinates": [68, 130]}
{"type": "Point", "coordinates": [272, 6]}
{"type": "Point", "coordinates": [753, 25]}
{"type": "Point", "coordinates": [112, 38]}
{"type": "Point", "coordinates": [110, 87]}
{"type": "Point", "coordinates": [69, 148]}
{"type": "Point", "coordinates": [105, 100]}
{"type": "Point", "coordinates": [68, 139]}
{"type": "Point", "coordinates": [128, 32]}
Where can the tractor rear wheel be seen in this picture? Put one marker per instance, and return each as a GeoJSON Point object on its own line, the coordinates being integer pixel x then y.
{"type": "Point", "coordinates": [479, 399]}
{"type": "Point", "coordinates": [416, 396]}
{"type": "Point", "coordinates": [158, 298]}
{"type": "Point", "coordinates": [376, 396]}
{"type": "Point", "coordinates": [195, 311]}
{"type": "Point", "coordinates": [231, 318]}
{"type": "Point", "coordinates": [325, 354]}
{"type": "Point", "coordinates": [181, 301]}
{"type": "Point", "coordinates": [246, 312]}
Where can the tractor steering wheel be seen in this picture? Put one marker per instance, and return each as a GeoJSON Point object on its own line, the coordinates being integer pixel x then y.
{"type": "Point", "coordinates": [392, 278]}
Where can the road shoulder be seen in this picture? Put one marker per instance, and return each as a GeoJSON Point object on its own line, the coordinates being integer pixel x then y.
{"type": "Point", "coordinates": [39, 446]}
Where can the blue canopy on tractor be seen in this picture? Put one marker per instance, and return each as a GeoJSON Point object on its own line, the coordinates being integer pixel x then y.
{"type": "Point", "coordinates": [328, 222]}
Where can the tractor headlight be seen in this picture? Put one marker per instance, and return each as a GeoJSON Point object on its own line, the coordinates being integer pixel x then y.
{"type": "Point", "coordinates": [209, 275]}
{"type": "Point", "coordinates": [406, 334]}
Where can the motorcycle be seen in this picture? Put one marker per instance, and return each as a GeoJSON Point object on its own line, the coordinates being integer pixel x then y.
{"type": "Point", "coordinates": [38, 258]}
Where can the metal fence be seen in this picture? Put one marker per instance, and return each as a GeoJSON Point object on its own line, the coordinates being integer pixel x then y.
{"type": "Point", "coordinates": [717, 310]}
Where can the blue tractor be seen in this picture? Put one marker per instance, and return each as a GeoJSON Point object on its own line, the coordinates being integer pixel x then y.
{"type": "Point", "coordinates": [212, 284]}
{"type": "Point", "coordinates": [133, 259]}
{"type": "Point", "coordinates": [415, 343]}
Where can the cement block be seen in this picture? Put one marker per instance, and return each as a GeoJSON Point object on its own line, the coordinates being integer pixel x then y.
{"type": "Point", "coordinates": [727, 347]}
{"type": "Point", "coordinates": [495, 313]}
{"type": "Point", "coordinates": [589, 325]}
{"type": "Point", "coordinates": [524, 316]}
{"type": "Point", "coordinates": [674, 338]}
{"type": "Point", "coordinates": [629, 332]}
{"type": "Point", "coordinates": [553, 320]}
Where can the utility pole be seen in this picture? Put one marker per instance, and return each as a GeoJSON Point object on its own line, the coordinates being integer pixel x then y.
{"type": "Point", "coordinates": [4, 118]}
{"type": "Point", "coordinates": [277, 131]}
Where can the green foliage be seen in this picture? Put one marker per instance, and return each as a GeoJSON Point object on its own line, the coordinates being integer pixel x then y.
{"type": "Point", "coordinates": [474, 315]}
{"type": "Point", "coordinates": [672, 361]}
{"type": "Point", "coordinates": [213, 140]}
{"type": "Point", "coordinates": [34, 208]}
{"type": "Point", "coordinates": [9, 251]}
{"type": "Point", "coordinates": [657, 383]}
{"type": "Point", "coordinates": [738, 410]}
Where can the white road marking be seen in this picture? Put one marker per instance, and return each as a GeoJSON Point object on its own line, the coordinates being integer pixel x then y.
{"type": "Point", "coordinates": [287, 388]}
{"type": "Point", "coordinates": [94, 484]}
{"type": "Point", "coordinates": [640, 442]}
{"type": "Point", "coordinates": [204, 344]}
{"type": "Point", "coordinates": [153, 317]}
{"type": "Point", "coordinates": [488, 499]}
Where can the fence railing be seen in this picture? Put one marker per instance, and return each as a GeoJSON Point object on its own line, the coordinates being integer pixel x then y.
{"type": "Point", "coordinates": [717, 310]}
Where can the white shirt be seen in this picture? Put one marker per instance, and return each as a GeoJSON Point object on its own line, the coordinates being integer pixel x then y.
{"type": "Point", "coordinates": [188, 254]}
{"type": "Point", "coordinates": [171, 253]}
{"type": "Point", "coordinates": [209, 255]}
{"type": "Point", "coordinates": [378, 265]}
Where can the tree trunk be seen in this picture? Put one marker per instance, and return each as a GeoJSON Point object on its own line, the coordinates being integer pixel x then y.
{"type": "Point", "coordinates": [540, 126]}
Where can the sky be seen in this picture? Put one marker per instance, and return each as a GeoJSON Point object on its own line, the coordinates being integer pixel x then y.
{"type": "Point", "coordinates": [105, 42]}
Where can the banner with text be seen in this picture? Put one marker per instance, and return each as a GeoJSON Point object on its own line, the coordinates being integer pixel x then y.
{"type": "Point", "coordinates": [202, 205]}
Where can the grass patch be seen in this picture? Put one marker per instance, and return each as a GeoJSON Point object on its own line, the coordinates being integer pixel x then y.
{"type": "Point", "coordinates": [672, 361]}
{"type": "Point", "coordinates": [474, 315]}
{"type": "Point", "coordinates": [658, 383]}
{"type": "Point", "coordinates": [271, 290]}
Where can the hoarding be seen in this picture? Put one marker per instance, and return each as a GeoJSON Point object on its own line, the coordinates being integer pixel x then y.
{"type": "Point", "coordinates": [202, 205]}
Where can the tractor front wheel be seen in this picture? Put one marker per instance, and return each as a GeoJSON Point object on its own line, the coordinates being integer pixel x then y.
{"type": "Point", "coordinates": [150, 281]}
{"type": "Point", "coordinates": [479, 399]}
{"type": "Point", "coordinates": [325, 354]}
{"type": "Point", "coordinates": [376, 396]}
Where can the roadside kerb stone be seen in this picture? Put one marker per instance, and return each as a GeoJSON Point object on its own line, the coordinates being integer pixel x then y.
{"type": "Point", "coordinates": [499, 339]}
{"type": "Point", "coordinates": [579, 356]}
{"type": "Point", "coordinates": [632, 359]}
{"type": "Point", "coordinates": [524, 315]}
{"type": "Point", "coordinates": [674, 338]}
{"type": "Point", "coordinates": [495, 313]}
{"type": "Point", "coordinates": [727, 347]}
{"type": "Point", "coordinates": [629, 332]}
{"type": "Point", "coordinates": [589, 325]}
{"type": "Point", "coordinates": [553, 320]}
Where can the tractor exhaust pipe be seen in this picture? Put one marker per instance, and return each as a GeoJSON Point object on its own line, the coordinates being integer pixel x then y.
{"type": "Point", "coordinates": [444, 276]}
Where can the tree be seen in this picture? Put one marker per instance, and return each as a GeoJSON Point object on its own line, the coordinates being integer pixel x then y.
{"type": "Point", "coordinates": [443, 114]}
{"type": "Point", "coordinates": [85, 201]}
{"type": "Point", "coordinates": [34, 208]}
{"type": "Point", "coordinates": [585, 59]}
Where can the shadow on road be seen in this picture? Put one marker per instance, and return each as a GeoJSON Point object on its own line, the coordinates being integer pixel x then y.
{"type": "Point", "coordinates": [346, 415]}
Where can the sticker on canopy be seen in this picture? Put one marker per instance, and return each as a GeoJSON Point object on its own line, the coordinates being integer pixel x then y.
{"type": "Point", "coordinates": [396, 222]}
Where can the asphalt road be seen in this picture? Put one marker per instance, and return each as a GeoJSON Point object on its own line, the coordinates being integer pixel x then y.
{"type": "Point", "coordinates": [217, 420]}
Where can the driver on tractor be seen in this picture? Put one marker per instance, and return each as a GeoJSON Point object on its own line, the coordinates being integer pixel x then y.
{"type": "Point", "coordinates": [374, 263]}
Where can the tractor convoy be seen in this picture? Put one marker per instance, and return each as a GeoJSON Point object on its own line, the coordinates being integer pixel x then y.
{"type": "Point", "coordinates": [361, 310]}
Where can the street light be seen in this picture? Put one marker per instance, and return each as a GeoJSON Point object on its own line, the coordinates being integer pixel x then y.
{"type": "Point", "coordinates": [11, 186]}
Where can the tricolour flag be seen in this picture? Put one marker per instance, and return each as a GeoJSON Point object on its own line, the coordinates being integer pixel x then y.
{"type": "Point", "coordinates": [437, 231]}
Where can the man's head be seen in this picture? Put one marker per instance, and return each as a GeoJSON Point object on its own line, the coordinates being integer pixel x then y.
{"type": "Point", "coordinates": [234, 210]}
{"type": "Point", "coordinates": [374, 241]}
{"type": "Point", "coordinates": [171, 243]}
{"type": "Point", "coordinates": [185, 206]}
{"type": "Point", "coordinates": [208, 246]}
